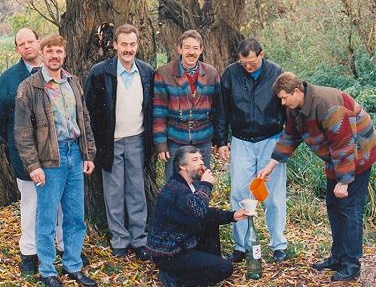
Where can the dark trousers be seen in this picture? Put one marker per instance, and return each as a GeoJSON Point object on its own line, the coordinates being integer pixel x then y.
{"type": "Point", "coordinates": [200, 266]}
{"type": "Point", "coordinates": [346, 219]}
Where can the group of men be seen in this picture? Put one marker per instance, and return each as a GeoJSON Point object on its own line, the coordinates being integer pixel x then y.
{"type": "Point", "coordinates": [55, 131]}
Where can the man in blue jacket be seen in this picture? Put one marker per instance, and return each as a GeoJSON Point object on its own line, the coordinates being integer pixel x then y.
{"type": "Point", "coordinates": [118, 94]}
{"type": "Point", "coordinates": [27, 46]}
{"type": "Point", "coordinates": [249, 106]}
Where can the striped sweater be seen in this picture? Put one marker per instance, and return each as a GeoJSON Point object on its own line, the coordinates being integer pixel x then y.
{"type": "Point", "coordinates": [178, 115]}
{"type": "Point", "coordinates": [335, 128]}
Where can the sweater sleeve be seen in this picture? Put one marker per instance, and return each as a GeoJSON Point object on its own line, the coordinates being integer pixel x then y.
{"type": "Point", "coordinates": [160, 112]}
{"type": "Point", "coordinates": [288, 142]}
{"type": "Point", "coordinates": [219, 216]}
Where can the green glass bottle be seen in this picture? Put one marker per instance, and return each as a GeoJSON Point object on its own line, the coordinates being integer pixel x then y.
{"type": "Point", "coordinates": [252, 251]}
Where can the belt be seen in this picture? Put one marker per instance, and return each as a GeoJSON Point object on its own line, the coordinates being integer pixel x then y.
{"type": "Point", "coordinates": [189, 124]}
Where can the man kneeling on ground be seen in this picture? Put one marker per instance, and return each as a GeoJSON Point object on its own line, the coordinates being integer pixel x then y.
{"type": "Point", "coordinates": [184, 234]}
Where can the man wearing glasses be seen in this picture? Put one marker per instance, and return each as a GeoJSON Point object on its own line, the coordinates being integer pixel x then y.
{"type": "Point", "coordinates": [256, 116]}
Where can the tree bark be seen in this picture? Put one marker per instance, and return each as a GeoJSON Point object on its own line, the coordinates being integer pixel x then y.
{"type": "Point", "coordinates": [8, 188]}
{"type": "Point", "coordinates": [79, 26]}
{"type": "Point", "coordinates": [217, 21]}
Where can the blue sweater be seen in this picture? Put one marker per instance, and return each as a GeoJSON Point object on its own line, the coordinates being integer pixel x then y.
{"type": "Point", "coordinates": [179, 217]}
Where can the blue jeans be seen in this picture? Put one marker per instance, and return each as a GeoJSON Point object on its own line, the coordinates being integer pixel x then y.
{"type": "Point", "coordinates": [346, 219]}
{"type": "Point", "coordinates": [64, 184]}
{"type": "Point", "coordinates": [205, 150]}
{"type": "Point", "coordinates": [247, 158]}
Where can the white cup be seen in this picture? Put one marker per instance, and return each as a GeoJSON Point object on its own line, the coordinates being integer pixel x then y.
{"type": "Point", "coordinates": [249, 205]}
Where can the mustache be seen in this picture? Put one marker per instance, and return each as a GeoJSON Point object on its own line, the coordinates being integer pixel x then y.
{"type": "Point", "coordinates": [128, 53]}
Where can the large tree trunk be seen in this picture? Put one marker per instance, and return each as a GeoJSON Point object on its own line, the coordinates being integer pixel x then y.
{"type": "Point", "coordinates": [80, 23]}
{"type": "Point", "coordinates": [217, 21]}
{"type": "Point", "coordinates": [8, 187]}
{"type": "Point", "coordinates": [79, 26]}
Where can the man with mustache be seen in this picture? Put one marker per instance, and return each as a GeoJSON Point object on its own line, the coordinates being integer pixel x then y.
{"type": "Point", "coordinates": [56, 145]}
{"type": "Point", "coordinates": [27, 44]}
{"type": "Point", "coordinates": [118, 94]}
{"type": "Point", "coordinates": [185, 95]}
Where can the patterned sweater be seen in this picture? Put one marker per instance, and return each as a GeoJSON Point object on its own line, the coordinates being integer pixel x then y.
{"type": "Point", "coordinates": [180, 215]}
{"type": "Point", "coordinates": [336, 129]}
{"type": "Point", "coordinates": [179, 115]}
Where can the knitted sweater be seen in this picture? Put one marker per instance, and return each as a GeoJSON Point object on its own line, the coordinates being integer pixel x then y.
{"type": "Point", "coordinates": [178, 115]}
{"type": "Point", "coordinates": [179, 216]}
{"type": "Point", "coordinates": [336, 129]}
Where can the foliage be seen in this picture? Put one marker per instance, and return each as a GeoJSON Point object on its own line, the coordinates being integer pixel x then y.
{"type": "Point", "coordinates": [32, 19]}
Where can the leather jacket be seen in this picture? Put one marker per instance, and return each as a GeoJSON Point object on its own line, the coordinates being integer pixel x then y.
{"type": "Point", "coordinates": [249, 106]}
{"type": "Point", "coordinates": [34, 126]}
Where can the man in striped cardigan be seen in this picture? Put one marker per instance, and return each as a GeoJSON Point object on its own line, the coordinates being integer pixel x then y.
{"type": "Point", "coordinates": [341, 133]}
{"type": "Point", "coordinates": [185, 94]}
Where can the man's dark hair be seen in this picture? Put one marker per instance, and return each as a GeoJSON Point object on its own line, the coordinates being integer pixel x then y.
{"type": "Point", "coordinates": [181, 153]}
{"type": "Point", "coordinates": [249, 45]}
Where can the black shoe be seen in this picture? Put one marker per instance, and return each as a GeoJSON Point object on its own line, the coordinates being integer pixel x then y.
{"type": "Point", "coordinates": [348, 272]}
{"type": "Point", "coordinates": [120, 252]}
{"type": "Point", "coordinates": [80, 278]}
{"type": "Point", "coordinates": [330, 263]}
{"type": "Point", "coordinates": [29, 265]}
{"type": "Point", "coordinates": [51, 281]}
{"type": "Point", "coordinates": [141, 253]}
{"type": "Point", "coordinates": [279, 255]}
{"type": "Point", "coordinates": [85, 260]}
{"type": "Point", "coordinates": [236, 256]}
{"type": "Point", "coordinates": [167, 280]}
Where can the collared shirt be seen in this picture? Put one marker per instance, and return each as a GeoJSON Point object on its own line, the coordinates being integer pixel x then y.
{"type": "Point", "coordinates": [63, 105]}
{"type": "Point", "coordinates": [189, 71]}
{"type": "Point", "coordinates": [257, 73]}
{"type": "Point", "coordinates": [127, 76]}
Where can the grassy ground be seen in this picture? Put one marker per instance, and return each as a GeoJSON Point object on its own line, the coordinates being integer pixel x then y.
{"type": "Point", "coordinates": [307, 231]}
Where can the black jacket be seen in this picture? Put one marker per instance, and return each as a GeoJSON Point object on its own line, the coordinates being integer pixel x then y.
{"type": "Point", "coordinates": [100, 95]}
{"type": "Point", "coordinates": [249, 106]}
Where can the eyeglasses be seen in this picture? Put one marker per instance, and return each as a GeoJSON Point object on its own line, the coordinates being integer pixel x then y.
{"type": "Point", "coordinates": [251, 64]}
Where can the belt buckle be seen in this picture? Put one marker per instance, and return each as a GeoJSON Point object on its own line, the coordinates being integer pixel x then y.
{"type": "Point", "coordinates": [190, 124]}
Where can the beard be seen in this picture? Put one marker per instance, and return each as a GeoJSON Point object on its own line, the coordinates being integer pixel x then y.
{"type": "Point", "coordinates": [195, 174]}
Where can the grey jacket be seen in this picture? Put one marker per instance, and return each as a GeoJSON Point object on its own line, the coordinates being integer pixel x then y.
{"type": "Point", "coordinates": [34, 127]}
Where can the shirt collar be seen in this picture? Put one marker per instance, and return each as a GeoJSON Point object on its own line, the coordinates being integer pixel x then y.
{"type": "Point", "coordinates": [64, 75]}
{"type": "Point", "coordinates": [189, 71]}
{"type": "Point", "coordinates": [120, 68]}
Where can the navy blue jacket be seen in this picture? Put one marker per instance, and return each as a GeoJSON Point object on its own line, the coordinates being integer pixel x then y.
{"type": "Point", "coordinates": [249, 106]}
{"type": "Point", "coordinates": [179, 216]}
{"type": "Point", "coordinates": [100, 95]}
{"type": "Point", "coordinates": [9, 82]}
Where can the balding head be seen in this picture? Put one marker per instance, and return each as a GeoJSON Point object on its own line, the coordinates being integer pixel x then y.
{"type": "Point", "coordinates": [27, 46]}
